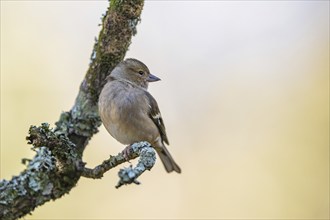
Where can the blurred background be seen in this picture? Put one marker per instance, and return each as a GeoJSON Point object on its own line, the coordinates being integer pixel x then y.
{"type": "Point", "coordinates": [244, 95]}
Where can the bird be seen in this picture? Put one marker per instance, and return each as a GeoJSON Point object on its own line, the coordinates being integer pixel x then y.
{"type": "Point", "coordinates": [130, 113]}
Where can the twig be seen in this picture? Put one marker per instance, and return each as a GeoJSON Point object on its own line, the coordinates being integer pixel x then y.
{"type": "Point", "coordinates": [127, 175]}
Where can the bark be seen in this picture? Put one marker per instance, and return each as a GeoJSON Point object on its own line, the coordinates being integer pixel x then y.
{"type": "Point", "coordinates": [57, 165]}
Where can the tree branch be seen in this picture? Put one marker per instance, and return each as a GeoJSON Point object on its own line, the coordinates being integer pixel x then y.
{"type": "Point", "coordinates": [127, 175]}
{"type": "Point", "coordinates": [57, 165]}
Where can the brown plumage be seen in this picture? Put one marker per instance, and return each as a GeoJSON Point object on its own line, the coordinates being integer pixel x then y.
{"type": "Point", "coordinates": [130, 113]}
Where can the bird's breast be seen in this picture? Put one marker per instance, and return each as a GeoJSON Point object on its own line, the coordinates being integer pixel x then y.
{"type": "Point", "coordinates": [120, 112]}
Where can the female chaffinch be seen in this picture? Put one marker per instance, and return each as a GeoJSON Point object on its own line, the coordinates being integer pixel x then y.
{"type": "Point", "coordinates": [130, 113]}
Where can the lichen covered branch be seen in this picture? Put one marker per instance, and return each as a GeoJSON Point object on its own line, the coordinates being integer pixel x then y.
{"type": "Point", "coordinates": [147, 159]}
{"type": "Point", "coordinates": [56, 168]}
{"type": "Point", "coordinates": [146, 162]}
{"type": "Point", "coordinates": [48, 176]}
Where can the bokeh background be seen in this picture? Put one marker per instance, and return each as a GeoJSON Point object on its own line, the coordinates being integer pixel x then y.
{"type": "Point", "coordinates": [244, 95]}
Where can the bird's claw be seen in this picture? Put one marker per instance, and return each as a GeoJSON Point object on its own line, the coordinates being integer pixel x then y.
{"type": "Point", "coordinates": [127, 152]}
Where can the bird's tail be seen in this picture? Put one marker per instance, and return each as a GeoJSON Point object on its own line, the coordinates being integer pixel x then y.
{"type": "Point", "coordinates": [168, 160]}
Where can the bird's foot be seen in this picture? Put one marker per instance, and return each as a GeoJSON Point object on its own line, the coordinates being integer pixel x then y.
{"type": "Point", "coordinates": [127, 152]}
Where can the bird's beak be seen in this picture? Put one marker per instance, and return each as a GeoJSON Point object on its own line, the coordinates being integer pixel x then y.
{"type": "Point", "coordinates": [152, 78]}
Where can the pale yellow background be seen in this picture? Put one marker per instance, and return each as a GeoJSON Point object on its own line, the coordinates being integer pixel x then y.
{"type": "Point", "coordinates": [244, 95]}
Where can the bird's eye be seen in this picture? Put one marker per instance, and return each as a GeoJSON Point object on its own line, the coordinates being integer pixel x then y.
{"type": "Point", "coordinates": [141, 72]}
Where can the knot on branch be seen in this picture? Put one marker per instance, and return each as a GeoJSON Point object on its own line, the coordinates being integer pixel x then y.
{"type": "Point", "coordinates": [58, 143]}
{"type": "Point", "coordinates": [45, 136]}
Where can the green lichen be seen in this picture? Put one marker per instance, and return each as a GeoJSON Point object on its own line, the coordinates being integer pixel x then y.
{"type": "Point", "coordinates": [119, 25]}
{"type": "Point", "coordinates": [57, 142]}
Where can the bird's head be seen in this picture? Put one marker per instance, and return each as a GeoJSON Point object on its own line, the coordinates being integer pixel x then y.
{"type": "Point", "coordinates": [135, 72]}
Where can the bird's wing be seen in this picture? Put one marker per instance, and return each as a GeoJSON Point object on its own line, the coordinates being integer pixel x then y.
{"type": "Point", "coordinates": [156, 117]}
